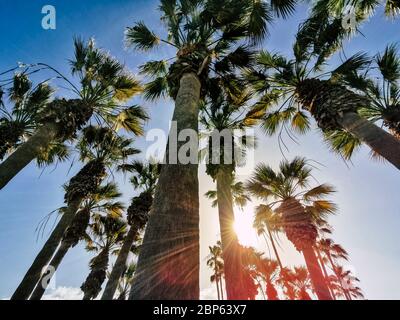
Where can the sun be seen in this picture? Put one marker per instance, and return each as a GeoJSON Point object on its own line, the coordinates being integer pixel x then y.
{"type": "Point", "coordinates": [243, 227]}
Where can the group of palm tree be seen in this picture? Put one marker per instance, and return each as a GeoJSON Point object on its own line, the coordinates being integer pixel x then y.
{"type": "Point", "coordinates": [220, 78]}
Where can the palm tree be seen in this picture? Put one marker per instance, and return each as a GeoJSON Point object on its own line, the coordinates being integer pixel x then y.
{"type": "Point", "coordinates": [202, 32]}
{"type": "Point", "coordinates": [348, 281]}
{"type": "Point", "coordinates": [126, 281]}
{"type": "Point", "coordinates": [301, 281]}
{"type": "Point", "coordinates": [106, 235]}
{"type": "Point", "coordinates": [268, 269]}
{"type": "Point", "coordinates": [331, 21]}
{"type": "Point", "coordinates": [145, 178]}
{"type": "Point", "coordinates": [332, 252]}
{"type": "Point", "coordinates": [286, 281]}
{"type": "Point", "coordinates": [20, 121]}
{"type": "Point", "coordinates": [105, 85]}
{"type": "Point", "coordinates": [333, 106]}
{"type": "Point", "coordinates": [99, 148]}
{"type": "Point", "coordinates": [216, 262]}
{"type": "Point", "coordinates": [266, 222]}
{"type": "Point", "coordinates": [226, 116]}
{"type": "Point", "coordinates": [385, 94]}
{"type": "Point", "coordinates": [102, 201]}
{"type": "Point", "coordinates": [300, 206]}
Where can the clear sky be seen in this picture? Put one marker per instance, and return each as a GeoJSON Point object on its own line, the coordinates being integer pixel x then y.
{"type": "Point", "coordinates": [368, 191]}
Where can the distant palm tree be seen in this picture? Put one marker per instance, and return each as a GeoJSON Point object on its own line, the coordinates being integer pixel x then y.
{"type": "Point", "coordinates": [334, 251]}
{"type": "Point", "coordinates": [207, 37]}
{"type": "Point", "coordinates": [100, 148]}
{"type": "Point", "coordinates": [216, 262]}
{"type": "Point", "coordinates": [266, 222]}
{"type": "Point", "coordinates": [269, 271]}
{"type": "Point", "coordinates": [302, 283]}
{"type": "Point", "coordinates": [106, 234]}
{"type": "Point", "coordinates": [145, 178]}
{"type": "Point", "coordinates": [300, 206]}
{"type": "Point", "coordinates": [103, 200]}
{"type": "Point", "coordinates": [105, 86]}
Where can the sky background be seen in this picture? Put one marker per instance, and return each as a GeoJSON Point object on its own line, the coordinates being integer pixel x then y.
{"type": "Point", "coordinates": [368, 191]}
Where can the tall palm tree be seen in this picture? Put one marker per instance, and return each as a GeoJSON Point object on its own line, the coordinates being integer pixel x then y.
{"type": "Point", "coordinates": [103, 200]}
{"type": "Point", "coordinates": [299, 207]}
{"type": "Point", "coordinates": [349, 282]}
{"type": "Point", "coordinates": [100, 149]}
{"type": "Point", "coordinates": [202, 32]}
{"type": "Point", "coordinates": [145, 178]}
{"type": "Point", "coordinates": [106, 235]}
{"type": "Point", "coordinates": [104, 86]}
{"type": "Point", "coordinates": [266, 222]}
{"type": "Point", "coordinates": [301, 281]}
{"type": "Point", "coordinates": [327, 100]}
{"type": "Point", "coordinates": [216, 262]}
{"type": "Point", "coordinates": [226, 116]}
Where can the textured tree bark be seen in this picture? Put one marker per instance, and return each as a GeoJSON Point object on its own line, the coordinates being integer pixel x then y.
{"type": "Point", "coordinates": [168, 263]}
{"type": "Point", "coordinates": [27, 152]}
{"type": "Point", "coordinates": [317, 278]}
{"type": "Point", "coordinates": [376, 138]}
{"type": "Point", "coordinates": [119, 266]}
{"type": "Point", "coordinates": [230, 244]}
{"type": "Point", "coordinates": [33, 275]}
{"type": "Point", "coordinates": [55, 262]}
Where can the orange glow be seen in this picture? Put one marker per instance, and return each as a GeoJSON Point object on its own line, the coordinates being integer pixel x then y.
{"type": "Point", "coordinates": [244, 229]}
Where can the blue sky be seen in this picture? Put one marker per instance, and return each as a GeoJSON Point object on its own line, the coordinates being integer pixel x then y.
{"type": "Point", "coordinates": [369, 218]}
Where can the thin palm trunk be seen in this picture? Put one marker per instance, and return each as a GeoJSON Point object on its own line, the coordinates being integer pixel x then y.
{"type": "Point", "coordinates": [230, 244]}
{"type": "Point", "coordinates": [33, 275]}
{"type": "Point", "coordinates": [217, 283]}
{"type": "Point", "coordinates": [322, 264]}
{"type": "Point", "coordinates": [54, 263]}
{"type": "Point", "coordinates": [119, 266]}
{"type": "Point", "coordinates": [27, 152]}
{"type": "Point", "coordinates": [221, 285]}
{"type": "Point", "coordinates": [275, 249]}
{"type": "Point", "coordinates": [380, 141]}
{"type": "Point", "coordinates": [317, 278]}
{"type": "Point", "coordinates": [172, 233]}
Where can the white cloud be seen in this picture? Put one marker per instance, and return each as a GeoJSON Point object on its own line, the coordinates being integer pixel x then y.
{"type": "Point", "coordinates": [64, 293]}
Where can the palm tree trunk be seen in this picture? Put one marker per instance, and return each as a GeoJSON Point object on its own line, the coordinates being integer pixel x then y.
{"type": "Point", "coordinates": [33, 275]}
{"type": "Point", "coordinates": [55, 262]}
{"type": "Point", "coordinates": [274, 247]}
{"type": "Point", "coordinates": [221, 285]}
{"type": "Point", "coordinates": [27, 152]}
{"type": "Point", "coordinates": [217, 283]}
{"type": "Point", "coordinates": [322, 264]}
{"type": "Point", "coordinates": [168, 263]}
{"type": "Point", "coordinates": [317, 278]}
{"type": "Point", "coordinates": [119, 266]}
{"type": "Point", "coordinates": [230, 244]}
{"type": "Point", "coordinates": [376, 138]}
